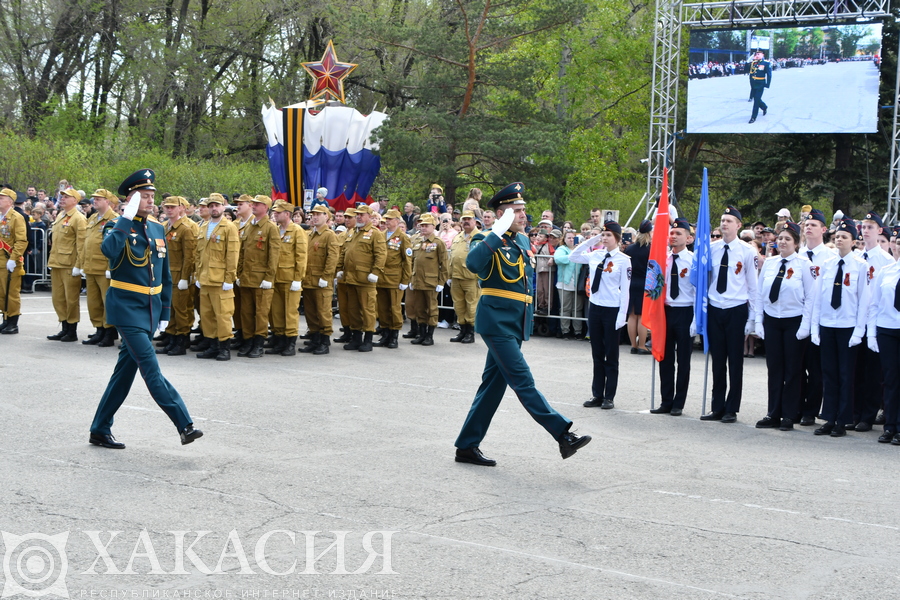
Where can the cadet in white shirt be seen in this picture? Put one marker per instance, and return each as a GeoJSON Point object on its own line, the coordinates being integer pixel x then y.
{"type": "Point", "coordinates": [785, 306]}
{"type": "Point", "coordinates": [884, 337]}
{"type": "Point", "coordinates": [838, 326]}
{"type": "Point", "coordinates": [610, 277]}
{"type": "Point", "coordinates": [679, 318]}
{"type": "Point", "coordinates": [731, 315]}
{"type": "Point", "coordinates": [814, 229]}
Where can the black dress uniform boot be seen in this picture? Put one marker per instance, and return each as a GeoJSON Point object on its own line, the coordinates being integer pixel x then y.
{"type": "Point", "coordinates": [224, 352]}
{"type": "Point", "coordinates": [470, 334]}
{"type": "Point", "coordinates": [212, 351]}
{"type": "Point", "coordinates": [270, 341]}
{"type": "Point", "coordinates": [190, 434]}
{"type": "Point", "coordinates": [346, 337]}
{"type": "Point", "coordinates": [569, 443]}
{"type": "Point", "coordinates": [290, 346]}
{"type": "Point", "coordinates": [180, 347]}
{"type": "Point", "coordinates": [109, 338]}
{"type": "Point", "coordinates": [12, 326]}
{"type": "Point", "coordinates": [256, 348]}
{"type": "Point", "coordinates": [246, 347]}
{"type": "Point", "coordinates": [473, 456]}
{"type": "Point", "coordinates": [105, 440]}
{"type": "Point", "coordinates": [355, 340]}
{"type": "Point", "coordinates": [366, 345]}
{"type": "Point", "coordinates": [392, 339]}
{"type": "Point", "coordinates": [461, 335]}
{"type": "Point", "coordinates": [413, 331]}
{"type": "Point", "coordinates": [237, 341]}
{"type": "Point", "coordinates": [95, 338]}
{"type": "Point", "coordinates": [61, 334]}
{"type": "Point", "coordinates": [278, 346]}
{"type": "Point", "coordinates": [71, 334]}
{"type": "Point", "coordinates": [385, 336]}
{"type": "Point", "coordinates": [428, 340]}
{"type": "Point", "coordinates": [324, 343]}
{"type": "Point", "coordinates": [313, 343]}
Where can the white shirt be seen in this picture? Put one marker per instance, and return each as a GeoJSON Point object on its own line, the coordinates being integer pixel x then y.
{"type": "Point", "coordinates": [686, 291]}
{"type": "Point", "coordinates": [881, 307]}
{"type": "Point", "coordinates": [820, 254]}
{"type": "Point", "coordinates": [877, 259]}
{"type": "Point", "coordinates": [743, 262]}
{"type": "Point", "coordinates": [616, 279]}
{"type": "Point", "coordinates": [795, 298]}
{"type": "Point", "coordinates": [854, 296]}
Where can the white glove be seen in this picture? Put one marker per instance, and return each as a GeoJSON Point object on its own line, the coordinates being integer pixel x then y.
{"type": "Point", "coordinates": [803, 333]}
{"type": "Point", "coordinates": [502, 224]}
{"type": "Point", "coordinates": [620, 324]}
{"type": "Point", "coordinates": [760, 332]}
{"type": "Point", "coordinates": [108, 275]}
{"type": "Point", "coordinates": [197, 283]}
{"type": "Point", "coordinates": [749, 327]}
{"type": "Point", "coordinates": [814, 336]}
{"type": "Point", "coordinates": [339, 275]}
{"type": "Point", "coordinates": [182, 284]}
{"type": "Point", "coordinates": [449, 282]}
{"type": "Point", "coordinates": [295, 286]}
{"type": "Point", "coordinates": [10, 265]}
{"type": "Point", "coordinates": [323, 283]}
{"type": "Point", "coordinates": [872, 342]}
{"type": "Point", "coordinates": [265, 285]}
{"type": "Point", "coordinates": [439, 289]}
{"type": "Point", "coordinates": [162, 325]}
{"type": "Point", "coordinates": [132, 207]}
{"type": "Point", "coordinates": [237, 282]}
{"type": "Point", "coordinates": [403, 286]}
{"type": "Point", "coordinates": [76, 272]}
{"type": "Point", "coordinates": [372, 278]}
{"type": "Point", "coordinates": [855, 340]}
{"type": "Point", "coordinates": [227, 286]}
{"type": "Point", "coordinates": [693, 330]}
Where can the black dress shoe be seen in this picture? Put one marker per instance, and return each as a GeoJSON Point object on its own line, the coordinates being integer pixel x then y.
{"type": "Point", "coordinates": [475, 457]}
{"type": "Point", "coordinates": [608, 404]}
{"type": "Point", "coordinates": [807, 421]}
{"type": "Point", "coordinates": [886, 437]}
{"type": "Point", "coordinates": [839, 431]}
{"type": "Point", "coordinates": [767, 422]}
{"type": "Point", "coordinates": [634, 350]}
{"type": "Point", "coordinates": [879, 419]}
{"type": "Point", "coordinates": [662, 410]}
{"type": "Point", "coordinates": [753, 120]}
{"type": "Point", "coordinates": [190, 434]}
{"type": "Point", "coordinates": [863, 426]}
{"type": "Point", "coordinates": [764, 111]}
{"type": "Point", "coordinates": [729, 418]}
{"type": "Point", "coordinates": [713, 416]}
{"type": "Point", "coordinates": [569, 443]}
{"type": "Point", "coordinates": [593, 403]}
{"type": "Point", "coordinates": [106, 440]}
{"type": "Point", "coordinates": [786, 425]}
{"type": "Point", "coordinates": [896, 440]}
{"type": "Point", "coordinates": [676, 412]}
{"type": "Point", "coordinates": [825, 429]}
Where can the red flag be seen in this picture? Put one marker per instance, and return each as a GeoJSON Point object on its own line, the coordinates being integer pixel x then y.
{"type": "Point", "coordinates": [654, 308]}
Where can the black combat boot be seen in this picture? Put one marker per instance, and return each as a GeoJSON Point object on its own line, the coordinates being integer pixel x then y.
{"type": "Point", "coordinates": [346, 337]}
{"type": "Point", "coordinates": [366, 345]}
{"type": "Point", "coordinates": [313, 343]}
{"type": "Point", "coordinates": [429, 336]}
{"type": "Point", "coordinates": [470, 334]}
{"type": "Point", "coordinates": [278, 346]}
{"type": "Point", "coordinates": [212, 351]}
{"type": "Point", "coordinates": [71, 333]}
{"type": "Point", "coordinates": [323, 347]}
{"type": "Point", "coordinates": [461, 335]}
{"type": "Point", "coordinates": [392, 340]}
{"type": "Point", "coordinates": [110, 335]}
{"type": "Point", "coordinates": [61, 334]}
{"type": "Point", "coordinates": [237, 341]}
{"type": "Point", "coordinates": [413, 331]}
{"type": "Point", "coordinates": [12, 326]}
{"type": "Point", "coordinates": [246, 347]}
{"type": "Point", "coordinates": [385, 336]}
{"type": "Point", "coordinates": [180, 347]}
{"type": "Point", "coordinates": [355, 340]}
{"type": "Point", "coordinates": [256, 348]}
{"type": "Point", "coordinates": [290, 346]}
{"type": "Point", "coordinates": [162, 337]}
{"type": "Point", "coordinates": [423, 334]}
{"type": "Point", "coordinates": [270, 341]}
{"type": "Point", "coordinates": [95, 338]}
{"type": "Point", "coordinates": [224, 353]}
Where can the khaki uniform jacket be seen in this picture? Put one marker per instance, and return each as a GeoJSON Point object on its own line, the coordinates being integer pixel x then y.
{"type": "Point", "coordinates": [292, 259]}
{"type": "Point", "coordinates": [398, 261]}
{"type": "Point", "coordinates": [260, 249]}
{"type": "Point", "coordinates": [13, 239]}
{"type": "Point", "coordinates": [363, 253]}
{"type": "Point", "coordinates": [67, 239]}
{"type": "Point", "coordinates": [217, 257]}
{"type": "Point", "coordinates": [430, 268]}
{"type": "Point", "coordinates": [91, 260]}
{"type": "Point", "coordinates": [459, 250]}
{"type": "Point", "coordinates": [322, 254]}
{"type": "Point", "coordinates": [181, 238]}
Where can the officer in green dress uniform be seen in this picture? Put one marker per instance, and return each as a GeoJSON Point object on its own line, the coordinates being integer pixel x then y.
{"type": "Point", "coordinates": [504, 263]}
{"type": "Point", "coordinates": [137, 303]}
{"type": "Point", "coordinates": [760, 80]}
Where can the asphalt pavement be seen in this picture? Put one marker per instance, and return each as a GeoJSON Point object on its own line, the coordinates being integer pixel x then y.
{"type": "Point", "coordinates": [299, 449]}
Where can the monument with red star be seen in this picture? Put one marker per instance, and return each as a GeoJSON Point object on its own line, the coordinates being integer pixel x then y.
{"type": "Point", "coordinates": [329, 75]}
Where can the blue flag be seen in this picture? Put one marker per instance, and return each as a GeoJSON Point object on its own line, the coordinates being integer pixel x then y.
{"type": "Point", "coordinates": [700, 268]}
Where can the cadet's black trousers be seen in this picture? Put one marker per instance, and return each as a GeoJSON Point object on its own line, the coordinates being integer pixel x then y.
{"type": "Point", "coordinates": [889, 351]}
{"type": "Point", "coordinates": [725, 328]}
{"type": "Point", "coordinates": [869, 388]}
{"type": "Point", "coordinates": [679, 345]}
{"type": "Point", "coordinates": [838, 361]}
{"type": "Point", "coordinates": [784, 362]}
{"type": "Point", "coordinates": [604, 350]}
{"type": "Point", "coordinates": [811, 382]}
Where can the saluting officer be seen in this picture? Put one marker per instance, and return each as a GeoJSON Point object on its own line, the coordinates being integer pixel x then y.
{"type": "Point", "coordinates": [502, 259]}
{"type": "Point", "coordinates": [288, 281]}
{"type": "Point", "coordinates": [181, 239]}
{"type": "Point", "coordinates": [394, 279]}
{"type": "Point", "coordinates": [463, 282]}
{"type": "Point", "coordinates": [429, 272]}
{"type": "Point", "coordinates": [322, 253]}
{"type": "Point", "coordinates": [760, 80]}
{"type": "Point", "coordinates": [349, 320]}
{"type": "Point", "coordinates": [360, 263]}
{"type": "Point", "coordinates": [218, 247]}
{"type": "Point", "coordinates": [67, 238]}
{"type": "Point", "coordinates": [137, 303]}
{"type": "Point", "coordinates": [13, 243]}
{"type": "Point", "coordinates": [257, 267]}
{"type": "Point", "coordinates": [95, 266]}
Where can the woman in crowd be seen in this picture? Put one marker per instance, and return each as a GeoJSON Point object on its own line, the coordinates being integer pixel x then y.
{"type": "Point", "coordinates": [567, 284]}
{"type": "Point", "coordinates": [639, 253]}
{"type": "Point", "coordinates": [783, 312]}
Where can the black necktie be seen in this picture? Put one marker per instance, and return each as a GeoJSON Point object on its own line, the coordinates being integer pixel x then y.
{"type": "Point", "coordinates": [836, 290]}
{"type": "Point", "coordinates": [897, 296]}
{"type": "Point", "coordinates": [598, 274]}
{"type": "Point", "coordinates": [722, 281]}
{"type": "Point", "coordinates": [776, 285]}
{"type": "Point", "coordinates": [673, 278]}
{"type": "Point", "coordinates": [810, 254]}
{"type": "Point", "coordinates": [866, 256]}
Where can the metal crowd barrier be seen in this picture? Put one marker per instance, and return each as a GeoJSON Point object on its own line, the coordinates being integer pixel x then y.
{"type": "Point", "coordinates": [36, 270]}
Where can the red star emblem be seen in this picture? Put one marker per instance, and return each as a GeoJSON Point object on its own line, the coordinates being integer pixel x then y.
{"type": "Point", "coordinates": [329, 75]}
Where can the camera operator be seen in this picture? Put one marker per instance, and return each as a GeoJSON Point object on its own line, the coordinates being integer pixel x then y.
{"type": "Point", "coordinates": [436, 203]}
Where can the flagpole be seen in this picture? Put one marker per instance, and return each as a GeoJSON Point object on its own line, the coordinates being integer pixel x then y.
{"type": "Point", "coordinates": [705, 381]}
{"type": "Point", "coordinates": [653, 386]}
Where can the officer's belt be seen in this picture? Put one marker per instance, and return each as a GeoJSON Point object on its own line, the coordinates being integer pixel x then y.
{"type": "Point", "coordinates": [140, 289]}
{"type": "Point", "coordinates": [507, 294]}
{"type": "Point", "coordinates": [759, 78]}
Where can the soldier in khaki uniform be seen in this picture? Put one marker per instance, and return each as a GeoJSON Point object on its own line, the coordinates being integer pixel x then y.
{"type": "Point", "coordinates": [349, 321]}
{"type": "Point", "coordinates": [244, 215]}
{"type": "Point", "coordinates": [285, 315]}
{"type": "Point", "coordinates": [95, 266]}
{"type": "Point", "coordinates": [181, 240]}
{"type": "Point", "coordinates": [361, 262]}
{"type": "Point", "coordinates": [257, 267]}
{"type": "Point", "coordinates": [322, 253]}
{"type": "Point", "coordinates": [429, 272]}
{"type": "Point", "coordinates": [463, 282]}
{"type": "Point", "coordinates": [393, 280]}
{"type": "Point", "coordinates": [218, 247]}
{"type": "Point", "coordinates": [65, 277]}
{"type": "Point", "coordinates": [13, 243]}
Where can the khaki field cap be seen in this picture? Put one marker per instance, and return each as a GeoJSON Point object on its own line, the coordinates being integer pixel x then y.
{"type": "Point", "coordinates": [263, 200]}
{"type": "Point", "coordinates": [173, 201]}
{"type": "Point", "coordinates": [70, 191]}
{"type": "Point", "coordinates": [427, 219]}
{"type": "Point", "coordinates": [216, 198]}
{"type": "Point", "coordinates": [320, 208]}
{"type": "Point", "coordinates": [363, 209]}
{"type": "Point", "coordinates": [282, 206]}
{"type": "Point", "coordinates": [392, 214]}
{"type": "Point", "coordinates": [8, 192]}
{"type": "Point", "coordinates": [106, 195]}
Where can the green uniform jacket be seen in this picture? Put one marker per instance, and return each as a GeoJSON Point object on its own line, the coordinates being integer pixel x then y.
{"type": "Point", "coordinates": [397, 262]}
{"type": "Point", "coordinates": [503, 263]}
{"type": "Point", "coordinates": [260, 249]}
{"type": "Point", "coordinates": [430, 268]}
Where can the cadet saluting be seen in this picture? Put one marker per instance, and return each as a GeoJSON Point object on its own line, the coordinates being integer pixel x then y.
{"type": "Point", "coordinates": [504, 318]}
{"type": "Point", "coordinates": [137, 302]}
